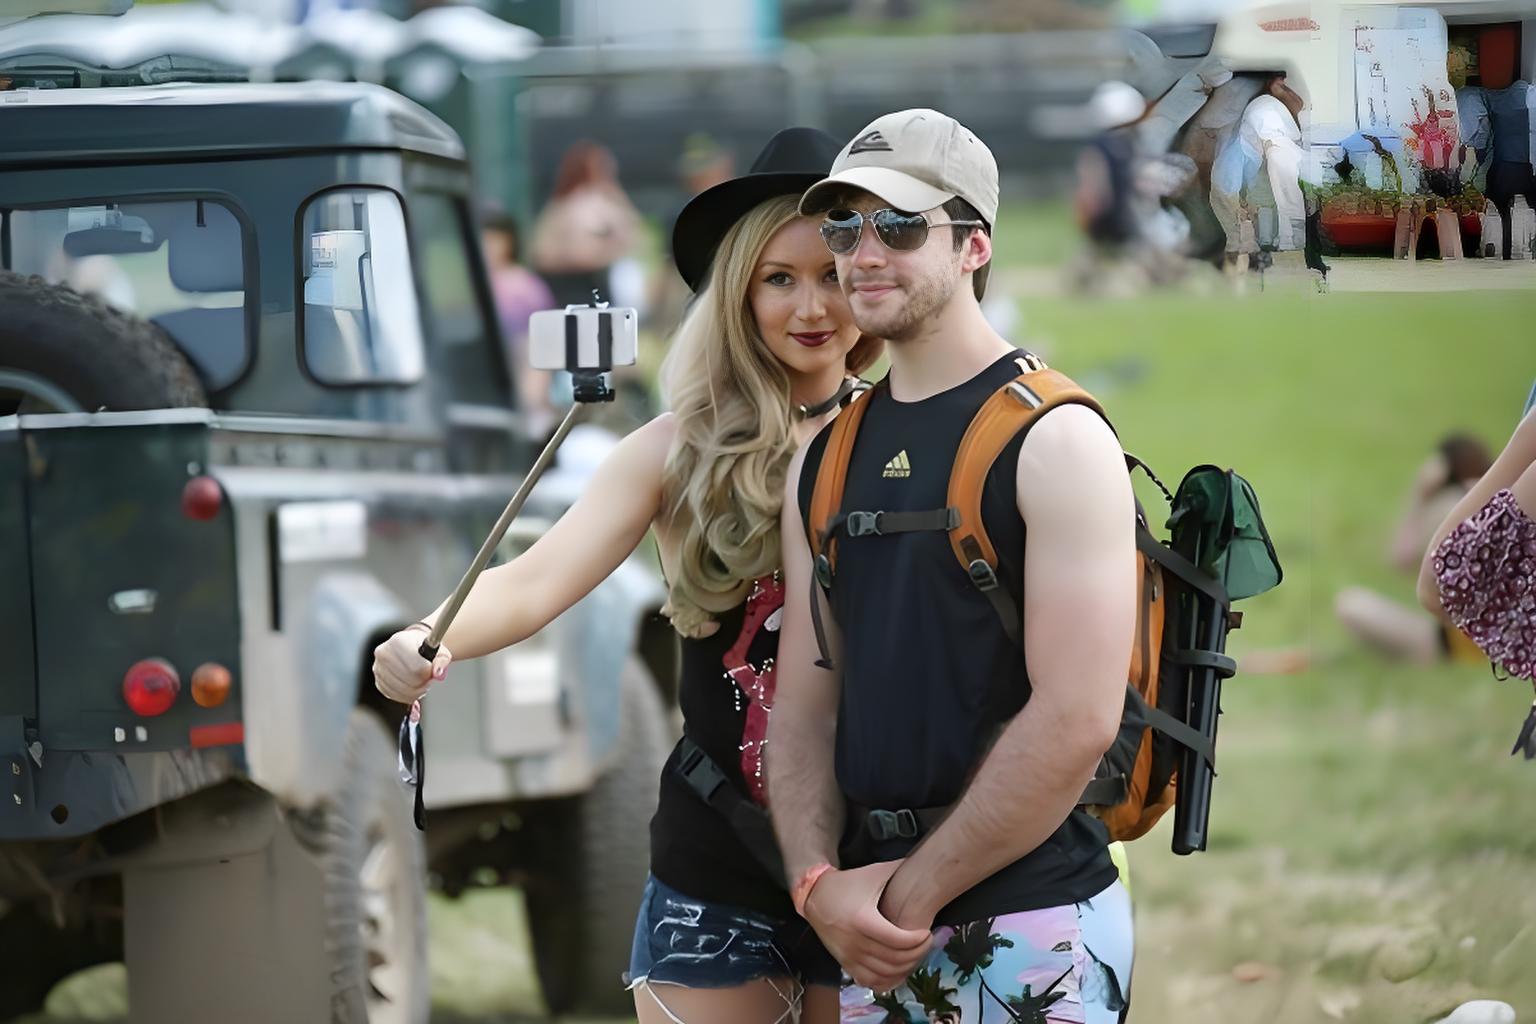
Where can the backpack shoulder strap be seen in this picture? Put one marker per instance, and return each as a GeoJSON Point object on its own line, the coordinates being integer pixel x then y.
{"type": "Point", "coordinates": [1010, 411]}
{"type": "Point", "coordinates": [832, 474]}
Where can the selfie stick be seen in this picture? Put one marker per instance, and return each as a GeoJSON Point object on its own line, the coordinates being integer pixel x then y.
{"type": "Point", "coordinates": [591, 385]}
{"type": "Point", "coordinates": [434, 640]}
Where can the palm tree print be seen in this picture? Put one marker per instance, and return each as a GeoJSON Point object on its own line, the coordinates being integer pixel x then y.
{"type": "Point", "coordinates": [1028, 1008]}
{"type": "Point", "coordinates": [895, 1013]}
{"type": "Point", "coordinates": [971, 949]}
{"type": "Point", "coordinates": [928, 988]}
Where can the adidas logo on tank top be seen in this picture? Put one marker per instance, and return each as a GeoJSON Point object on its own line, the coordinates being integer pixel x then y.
{"type": "Point", "coordinates": [899, 467]}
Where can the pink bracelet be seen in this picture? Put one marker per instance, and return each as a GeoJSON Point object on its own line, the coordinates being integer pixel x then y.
{"type": "Point", "coordinates": [802, 890]}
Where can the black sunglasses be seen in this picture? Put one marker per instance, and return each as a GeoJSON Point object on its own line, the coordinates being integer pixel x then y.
{"type": "Point", "coordinates": [902, 232]}
{"type": "Point", "coordinates": [413, 761]}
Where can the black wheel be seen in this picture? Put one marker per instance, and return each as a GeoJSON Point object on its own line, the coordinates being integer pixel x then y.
{"type": "Point", "coordinates": [583, 897]}
{"type": "Point", "coordinates": [61, 351]}
{"type": "Point", "coordinates": [39, 955]}
{"type": "Point", "coordinates": [375, 887]}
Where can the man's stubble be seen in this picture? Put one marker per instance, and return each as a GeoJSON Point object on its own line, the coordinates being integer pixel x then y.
{"type": "Point", "coordinates": [925, 297]}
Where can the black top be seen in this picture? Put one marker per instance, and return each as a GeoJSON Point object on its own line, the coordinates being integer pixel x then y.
{"type": "Point", "coordinates": [928, 673]}
{"type": "Point", "coordinates": [726, 692]}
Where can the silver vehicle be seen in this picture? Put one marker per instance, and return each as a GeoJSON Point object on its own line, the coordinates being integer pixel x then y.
{"type": "Point", "coordinates": [255, 417]}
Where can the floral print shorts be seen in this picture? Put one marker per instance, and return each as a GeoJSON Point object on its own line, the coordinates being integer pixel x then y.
{"type": "Point", "coordinates": [1060, 965]}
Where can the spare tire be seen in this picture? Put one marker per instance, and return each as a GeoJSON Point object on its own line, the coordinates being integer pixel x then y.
{"type": "Point", "coordinates": [64, 351]}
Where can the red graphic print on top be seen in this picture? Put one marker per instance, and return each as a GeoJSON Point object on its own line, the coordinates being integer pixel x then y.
{"type": "Point", "coordinates": [765, 609]}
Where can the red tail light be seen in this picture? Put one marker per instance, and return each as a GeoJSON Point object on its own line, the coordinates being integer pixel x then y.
{"type": "Point", "coordinates": [202, 498]}
{"type": "Point", "coordinates": [151, 686]}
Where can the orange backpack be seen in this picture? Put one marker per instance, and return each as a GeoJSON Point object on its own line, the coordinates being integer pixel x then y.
{"type": "Point", "coordinates": [1136, 781]}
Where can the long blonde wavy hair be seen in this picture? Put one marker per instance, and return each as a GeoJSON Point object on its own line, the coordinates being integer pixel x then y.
{"type": "Point", "coordinates": [724, 481]}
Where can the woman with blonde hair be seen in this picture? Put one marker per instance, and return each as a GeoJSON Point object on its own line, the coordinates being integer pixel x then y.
{"type": "Point", "coordinates": [764, 358]}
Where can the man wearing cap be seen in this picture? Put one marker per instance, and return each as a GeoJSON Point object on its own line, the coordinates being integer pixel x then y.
{"type": "Point", "coordinates": [930, 781]}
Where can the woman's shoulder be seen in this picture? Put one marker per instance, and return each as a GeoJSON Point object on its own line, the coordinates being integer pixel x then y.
{"type": "Point", "coordinates": [648, 446]}
{"type": "Point", "coordinates": [658, 434]}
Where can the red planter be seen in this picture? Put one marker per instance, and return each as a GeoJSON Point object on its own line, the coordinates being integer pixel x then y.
{"type": "Point", "coordinates": [1373, 232]}
{"type": "Point", "coordinates": [1360, 231]}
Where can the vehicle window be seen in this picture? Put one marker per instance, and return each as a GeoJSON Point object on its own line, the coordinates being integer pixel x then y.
{"type": "Point", "coordinates": [180, 264]}
{"type": "Point", "coordinates": [476, 371]}
{"type": "Point", "coordinates": [360, 319]}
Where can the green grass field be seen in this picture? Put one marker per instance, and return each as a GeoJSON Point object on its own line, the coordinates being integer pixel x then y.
{"type": "Point", "coordinates": [1367, 823]}
{"type": "Point", "coordinates": [1370, 860]}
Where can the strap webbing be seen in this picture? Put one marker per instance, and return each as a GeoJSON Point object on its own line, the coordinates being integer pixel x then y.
{"type": "Point", "coordinates": [1224, 664]}
{"type": "Point", "coordinates": [1182, 568]}
{"type": "Point", "coordinates": [1105, 792]}
{"type": "Point", "coordinates": [865, 524]}
{"type": "Point", "coordinates": [832, 475]}
{"type": "Point", "coordinates": [749, 821]}
{"type": "Point", "coordinates": [823, 648]}
{"type": "Point", "coordinates": [1180, 732]}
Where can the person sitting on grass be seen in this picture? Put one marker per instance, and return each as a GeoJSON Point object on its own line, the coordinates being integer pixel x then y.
{"type": "Point", "coordinates": [1384, 624]}
{"type": "Point", "coordinates": [1479, 573]}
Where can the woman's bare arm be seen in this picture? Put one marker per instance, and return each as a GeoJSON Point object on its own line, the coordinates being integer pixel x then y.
{"type": "Point", "coordinates": [1507, 471]}
{"type": "Point", "coordinates": [513, 601]}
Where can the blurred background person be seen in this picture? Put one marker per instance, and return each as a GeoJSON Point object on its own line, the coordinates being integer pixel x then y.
{"type": "Point", "coordinates": [1479, 574]}
{"type": "Point", "coordinates": [518, 293]}
{"type": "Point", "coordinates": [584, 245]}
{"type": "Point", "coordinates": [1471, 114]}
{"type": "Point", "coordinates": [1509, 170]}
{"type": "Point", "coordinates": [587, 230]}
{"type": "Point", "coordinates": [1394, 629]}
{"type": "Point", "coordinates": [1133, 238]}
{"type": "Point", "coordinates": [1256, 179]}
{"type": "Point", "coordinates": [702, 165]}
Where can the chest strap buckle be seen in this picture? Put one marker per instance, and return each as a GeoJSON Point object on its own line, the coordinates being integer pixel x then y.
{"type": "Point", "coordinates": [863, 524]}
{"type": "Point", "coordinates": [885, 825]}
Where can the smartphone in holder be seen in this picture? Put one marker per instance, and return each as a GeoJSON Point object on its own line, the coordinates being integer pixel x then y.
{"type": "Point", "coordinates": [588, 341]}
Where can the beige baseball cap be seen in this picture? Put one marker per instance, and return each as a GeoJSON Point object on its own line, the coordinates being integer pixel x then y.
{"type": "Point", "coordinates": [915, 160]}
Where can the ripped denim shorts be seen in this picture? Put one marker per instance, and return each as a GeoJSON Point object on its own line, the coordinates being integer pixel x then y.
{"type": "Point", "coordinates": [683, 941]}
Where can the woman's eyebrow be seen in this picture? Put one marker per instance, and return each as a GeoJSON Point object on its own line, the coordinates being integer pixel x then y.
{"type": "Point", "coordinates": [775, 263]}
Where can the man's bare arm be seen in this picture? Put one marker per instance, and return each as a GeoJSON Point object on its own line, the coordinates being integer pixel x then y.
{"type": "Point", "coordinates": [802, 789]}
{"type": "Point", "coordinates": [1079, 619]}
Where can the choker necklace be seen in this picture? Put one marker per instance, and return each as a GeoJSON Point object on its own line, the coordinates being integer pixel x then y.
{"type": "Point", "coordinates": [848, 387]}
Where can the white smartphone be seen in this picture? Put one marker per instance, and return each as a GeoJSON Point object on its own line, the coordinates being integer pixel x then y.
{"type": "Point", "coordinates": [583, 338]}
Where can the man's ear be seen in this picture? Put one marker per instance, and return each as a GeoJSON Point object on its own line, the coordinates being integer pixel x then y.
{"type": "Point", "coordinates": [977, 251]}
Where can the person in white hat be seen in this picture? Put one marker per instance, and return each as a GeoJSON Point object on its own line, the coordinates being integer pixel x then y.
{"type": "Point", "coordinates": [925, 790]}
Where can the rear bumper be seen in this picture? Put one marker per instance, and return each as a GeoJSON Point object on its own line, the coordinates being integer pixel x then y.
{"type": "Point", "coordinates": [74, 793]}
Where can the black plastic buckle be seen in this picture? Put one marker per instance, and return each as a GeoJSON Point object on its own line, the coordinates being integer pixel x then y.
{"type": "Point", "coordinates": [701, 774]}
{"type": "Point", "coordinates": [983, 576]}
{"type": "Point", "coordinates": [862, 524]}
{"type": "Point", "coordinates": [884, 825]}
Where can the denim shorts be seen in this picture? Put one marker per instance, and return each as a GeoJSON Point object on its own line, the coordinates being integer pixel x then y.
{"type": "Point", "coordinates": [683, 941]}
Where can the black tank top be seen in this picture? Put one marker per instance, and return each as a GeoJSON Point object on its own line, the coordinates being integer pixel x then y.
{"type": "Point", "coordinates": [725, 694]}
{"type": "Point", "coordinates": [928, 674]}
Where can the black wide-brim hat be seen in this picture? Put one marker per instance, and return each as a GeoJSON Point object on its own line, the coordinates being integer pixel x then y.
{"type": "Point", "coordinates": [791, 162]}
